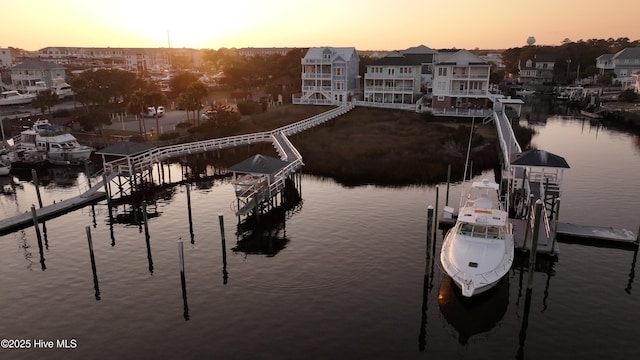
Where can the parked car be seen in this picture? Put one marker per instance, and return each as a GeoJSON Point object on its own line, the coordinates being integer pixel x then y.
{"type": "Point", "coordinates": [152, 111]}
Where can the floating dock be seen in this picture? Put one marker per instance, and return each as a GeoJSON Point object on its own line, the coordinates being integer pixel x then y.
{"type": "Point", "coordinates": [602, 236]}
{"type": "Point", "coordinates": [48, 212]}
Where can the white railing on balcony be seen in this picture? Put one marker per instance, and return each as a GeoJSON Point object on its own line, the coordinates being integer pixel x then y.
{"type": "Point", "coordinates": [312, 75]}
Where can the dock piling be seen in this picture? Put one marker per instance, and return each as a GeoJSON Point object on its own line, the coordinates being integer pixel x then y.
{"type": "Point", "coordinates": [534, 243]}
{"type": "Point", "coordinates": [37, 185]}
{"type": "Point", "coordinates": [183, 281]}
{"type": "Point", "coordinates": [435, 221]}
{"type": "Point", "coordinates": [189, 212]}
{"type": "Point", "coordinates": [225, 274]}
{"type": "Point", "coordinates": [87, 228]}
{"type": "Point", "coordinates": [38, 235]}
{"type": "Point", "coordinates": [429, 231]}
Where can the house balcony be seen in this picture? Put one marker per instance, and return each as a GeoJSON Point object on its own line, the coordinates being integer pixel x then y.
{"type": "Point", "coordinates": [471, 76]}
{"type": "Point", "coordinates": [398, 89]}
{"type": "Point", "coordinates": [316, 61]}
{"type": "Point", "coordinates": [468, 92]}
{"type": "Point", "coordinates": [312, 75]}
{"type": "Point", "coordinates": [388, 77]}
{"type": "Point", "coordinates": [316, 88]}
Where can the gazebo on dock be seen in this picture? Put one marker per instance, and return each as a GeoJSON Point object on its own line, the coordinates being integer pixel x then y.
{"type": "Point", "coordinates": [254, 180]}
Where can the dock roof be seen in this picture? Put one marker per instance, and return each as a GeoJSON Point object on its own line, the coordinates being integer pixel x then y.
{"type": "Point", "coordinates": [259, 164]}
{"type": "Point", "coordinates": [540, 158]}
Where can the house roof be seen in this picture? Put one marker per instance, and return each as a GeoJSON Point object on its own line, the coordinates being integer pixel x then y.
{"type": "Point", "coordinates": [396, 58]}
{"type": "Point", "coordinates": [345, 53]}
{"type": "Point", "coordinates": [259, 164]}
{"type": "Point", "coordinates": [419, 50]}
{"type": "Point", "coordinates": [125, 148]}
{"type": "Point", "coordinates": [540, 158]}
{"type": "Point", "coordinates": [460, 57]}
{"type": "Point", "coordinates": [627, 53]}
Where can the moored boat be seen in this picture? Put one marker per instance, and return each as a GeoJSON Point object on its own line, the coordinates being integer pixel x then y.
{"type": "Point", "coordinates": [13, 97]}
{"type": "Point", "coordinates": [478, 250]}
{"type": "Point", "coordinates": [55, 142]}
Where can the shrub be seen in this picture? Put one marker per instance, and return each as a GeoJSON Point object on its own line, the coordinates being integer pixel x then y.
{"type": "Point", "coordinates": [183, 125]}
{"type": "Point", "coordinates": [248, 107]}
{"type": "Point", "coordinates": [169, 136]}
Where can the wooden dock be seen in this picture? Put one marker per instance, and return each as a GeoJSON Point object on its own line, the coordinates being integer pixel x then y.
{"type": "Point", "coordinates": [596, 235]}
{"type": "Point", "coordinates": [568, 233]}
{"type": "Point", "coordinates": [22, 221]}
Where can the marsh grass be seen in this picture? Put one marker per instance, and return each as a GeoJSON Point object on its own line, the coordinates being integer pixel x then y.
{"type": "Point", "coordinates": [375, 146]}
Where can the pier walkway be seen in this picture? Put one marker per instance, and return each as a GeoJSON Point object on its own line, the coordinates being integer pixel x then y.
{"type": "Point", "coordinates": [537, 175]}
{"type": "Point", "coordinates": [24, 220]}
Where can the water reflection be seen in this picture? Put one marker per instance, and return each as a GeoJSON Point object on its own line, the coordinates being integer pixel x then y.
{"type": "Point", "coordinates": [475, 315]}
{"type": "Point", "coordinates": [265, 233]}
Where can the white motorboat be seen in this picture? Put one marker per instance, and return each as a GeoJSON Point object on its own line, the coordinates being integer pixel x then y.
{"type": "Point", "coordinates": [478, 250]}
{"type": "Point", "coordinates": [59, 146]}
{"type": "Point", "coordinates": [13, 97]}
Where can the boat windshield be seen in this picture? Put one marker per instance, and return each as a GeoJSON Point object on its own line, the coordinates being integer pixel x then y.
{"type": "Point", "coordinates": [480, 231]}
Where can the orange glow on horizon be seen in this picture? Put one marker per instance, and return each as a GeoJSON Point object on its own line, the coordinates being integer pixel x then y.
{"type": "Point", "coordinates": [370, 25]}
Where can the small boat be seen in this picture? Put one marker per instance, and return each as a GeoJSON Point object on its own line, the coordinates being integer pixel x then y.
{"type": "Point", "coordinates": [591, 114]}
{"type": "Point", "coordinates": [13, 97]}
{"type": "Point", "coordinates": [478, 250]}
{"type": "Point", "coordinates": [525, 92]}
{"type": "Point", "coordinates": [55, 142]}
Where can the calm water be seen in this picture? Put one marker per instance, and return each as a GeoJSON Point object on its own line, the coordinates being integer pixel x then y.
{"type": "Point", "coordinates": [344, 279]}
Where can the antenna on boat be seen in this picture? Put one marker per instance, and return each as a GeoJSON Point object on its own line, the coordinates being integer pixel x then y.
{"type": "Point", "coordinates": [466, 162]}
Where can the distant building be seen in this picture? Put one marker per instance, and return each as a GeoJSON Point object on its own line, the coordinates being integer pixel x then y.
{"type": "Point", "coordinates": [251, 51]}
{"type": "Point", "coordinates": [460, 80]}
{"type": "Point", "coordinates": [26, 75]}
{"type": "Point", "coordinates": [5, 58]}
{"type": "Point", "coordinates": [139, 60]}
{"type": "Point", "coordinates": [624, 64]}
{"type": "Point", "coordinates": [536, 70]}
{"type": "Point", "coordinates": [329, 75]}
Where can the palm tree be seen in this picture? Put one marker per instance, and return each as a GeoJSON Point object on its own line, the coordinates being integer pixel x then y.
{"type": "Point", "coordinates": [137, 105]}
{"type": "Point", "coordinates": [45, 100]}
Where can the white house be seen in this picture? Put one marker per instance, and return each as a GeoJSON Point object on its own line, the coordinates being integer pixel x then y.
{"type": "Point", "coordinates": [394, 79]}
{"type": "Point", "coordinates": [624, 64]}
{"type": "Point", "coordinates": [460, 80]}
{"type": "Point", "coordinates": [329, 75]}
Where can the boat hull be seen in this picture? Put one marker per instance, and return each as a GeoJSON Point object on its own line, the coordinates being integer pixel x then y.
{"type": "Point", "coordinates": [69, 158]}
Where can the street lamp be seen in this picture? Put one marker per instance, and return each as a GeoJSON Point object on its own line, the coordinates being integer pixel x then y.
{"type": "Point", "coordinates": [568, 65]}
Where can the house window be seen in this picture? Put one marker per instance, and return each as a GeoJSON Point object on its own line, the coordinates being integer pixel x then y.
{"type": "Point", "coordinates": [442, 71]}
{"type": "Point", "coordinates": [339, 71]}
{"type": "Point", "coordinates": [392, 71]}
{"type": "Point", "coordinates": [339, 85]}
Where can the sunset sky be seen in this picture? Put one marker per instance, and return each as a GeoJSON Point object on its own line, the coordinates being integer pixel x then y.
{"type": "Point", "coordinates": [364, 24]}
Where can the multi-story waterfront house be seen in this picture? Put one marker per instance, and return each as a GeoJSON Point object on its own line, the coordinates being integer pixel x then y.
{"type": "Point", "coordinates": [460, 81]}
{"type": "Point", "coordinates": [393, 79]}
{"type": "Point", "coordinates": [536, 70]}
{"type": "Point", "coordinates": [329, 75]}
{"type": "Point", "coordinates": [623, 64]}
